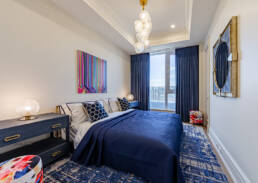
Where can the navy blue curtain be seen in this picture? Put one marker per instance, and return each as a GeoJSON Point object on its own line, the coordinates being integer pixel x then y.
{"type": "Point", "coordinates": [140, 79]}
{"type": "Point", "coordinates": [187, 81]}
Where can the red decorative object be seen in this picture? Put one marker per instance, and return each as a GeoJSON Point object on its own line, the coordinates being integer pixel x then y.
{"type": "Point", "coordinates": [196, 117]}
{"type": "Point", "coordinates": [23, 169]}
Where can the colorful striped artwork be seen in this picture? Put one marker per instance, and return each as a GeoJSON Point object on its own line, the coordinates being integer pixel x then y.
{"type": "Point", "coordinates": [92, 73]}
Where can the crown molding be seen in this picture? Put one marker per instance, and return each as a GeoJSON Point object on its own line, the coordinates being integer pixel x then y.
{"type": "Point", "coordinates": [188, 15]}
{"type": "Point", "coordinates": [106, 13]}
{"type": "Point", "coordinates": [170, 39]}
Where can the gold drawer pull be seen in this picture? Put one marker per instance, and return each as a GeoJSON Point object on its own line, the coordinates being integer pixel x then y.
{"type": "Point", "coordinates": [56, 153]}
{"type": "Point", "coordinates": [14, 137]}
{"type": "Point", "coordinates": [58, 125]}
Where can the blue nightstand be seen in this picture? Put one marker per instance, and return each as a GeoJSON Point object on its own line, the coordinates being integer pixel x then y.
{"type": "Point", "coordinates": [134, 104]}
{"type": "Point", "coordinates": [49, 149]}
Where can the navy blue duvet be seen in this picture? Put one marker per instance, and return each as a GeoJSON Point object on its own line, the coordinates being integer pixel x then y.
{"type": "Point", "coordinates": [145, 143]}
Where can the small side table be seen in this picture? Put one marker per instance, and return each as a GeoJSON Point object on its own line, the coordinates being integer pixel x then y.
{"type": "Point", "coordinates": [22, 169]}
{"type": "Point", "coordinates": [134, 104]}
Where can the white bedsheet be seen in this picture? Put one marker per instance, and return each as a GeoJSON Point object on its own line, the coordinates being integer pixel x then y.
{"type": "Point", "coordinates": [79, 130]}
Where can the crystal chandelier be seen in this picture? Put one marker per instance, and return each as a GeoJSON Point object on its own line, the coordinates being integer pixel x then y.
{"type": "Point", "coordinates": [143, 28]}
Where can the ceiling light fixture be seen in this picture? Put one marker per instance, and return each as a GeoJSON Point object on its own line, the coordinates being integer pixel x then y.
{"type": "Point", "coordinates": [142, 28]}
{"type": "Point", "coordinates": [173, 26]}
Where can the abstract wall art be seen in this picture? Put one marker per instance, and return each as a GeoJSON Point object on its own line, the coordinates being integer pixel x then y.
{"type": "Point", "coordinates": [225, 62]}
{"type": "Point", "coordinates": [92, 73]}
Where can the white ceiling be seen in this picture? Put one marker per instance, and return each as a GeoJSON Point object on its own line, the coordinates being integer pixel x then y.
{"type": "Point", "coordinates": [114, 19]}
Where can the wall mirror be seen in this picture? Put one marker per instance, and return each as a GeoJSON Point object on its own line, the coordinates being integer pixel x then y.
{"type": "Point", "coordinates": [221, 65]}
{"type": "Point", "coordinates": [225, 62]}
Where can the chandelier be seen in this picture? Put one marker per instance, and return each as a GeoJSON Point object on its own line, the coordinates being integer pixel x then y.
{"type": "Point", "coordinates": [143, 28]}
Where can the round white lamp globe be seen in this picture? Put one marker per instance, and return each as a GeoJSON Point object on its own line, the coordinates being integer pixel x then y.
{"type": "Point", "coordinates": [138, 26]}
{"type": "Point", "coordinates": [144, 16]}
{"type": "Point", "coordinates": [139, 47]}
{"type": "Point", "coordinates": [148, 26]}
{"type": "Point", "coordinates": [146, 43]}
{"type": "Point", "coordinates": [130, 97]}
{"type": "Point", "coordinates": [28, 109]}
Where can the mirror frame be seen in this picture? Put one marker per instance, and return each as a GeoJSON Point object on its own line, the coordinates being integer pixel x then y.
{"type": "Point", "coordinates": [233, 70]}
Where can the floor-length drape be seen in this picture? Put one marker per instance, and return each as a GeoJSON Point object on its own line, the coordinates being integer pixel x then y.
{"type": "Point", "coordinates": [187, 81]}
{"type": "Point", "coordinates": [140, 79]}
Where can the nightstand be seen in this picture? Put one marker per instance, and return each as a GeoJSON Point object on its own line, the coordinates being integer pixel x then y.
{"type": "Point", "coordinates": [134, 104]}
{"type": "Point", "coordinates": [50, 149]}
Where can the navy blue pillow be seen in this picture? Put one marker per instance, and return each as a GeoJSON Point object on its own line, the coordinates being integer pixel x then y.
{"type": "Point", "coordinates": [123, 103]}
{"type": "Point", "coordinates": [95, 111]}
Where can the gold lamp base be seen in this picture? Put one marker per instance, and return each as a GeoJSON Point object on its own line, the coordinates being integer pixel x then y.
{"type": "Point", "coordinates": [143, 3]}
{"type": "Point", "coordinates": [26, 118]}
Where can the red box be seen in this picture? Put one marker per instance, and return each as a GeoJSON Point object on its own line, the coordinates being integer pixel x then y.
{"type": "Point", "coordinates": [196, 117]}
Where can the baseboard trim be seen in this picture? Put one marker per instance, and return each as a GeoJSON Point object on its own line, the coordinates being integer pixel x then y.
{"type": "Point", "coordinates": [233, 168]}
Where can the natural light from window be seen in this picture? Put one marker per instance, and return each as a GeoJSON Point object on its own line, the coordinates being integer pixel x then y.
{"type": "Point", "coordinates": [162, 82]}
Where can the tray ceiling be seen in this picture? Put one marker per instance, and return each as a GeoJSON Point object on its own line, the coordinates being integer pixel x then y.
{"type": "Point", "coordinates": [115, 19]}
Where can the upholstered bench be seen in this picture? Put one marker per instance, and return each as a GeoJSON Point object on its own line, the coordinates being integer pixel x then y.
{"type": "Point", "coordinates": [23, 169]}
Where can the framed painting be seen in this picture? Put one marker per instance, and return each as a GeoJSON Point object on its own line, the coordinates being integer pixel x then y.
{"type": "Point", "coordinates": [225, 62]}
{"type": "Point", "coordinates": [91, 73]}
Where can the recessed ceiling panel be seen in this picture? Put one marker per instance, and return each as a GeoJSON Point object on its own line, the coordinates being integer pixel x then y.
{"type": "Point", "coordinates": [163, 14]}
{"type": "Point", "coordinates": [115, 19]}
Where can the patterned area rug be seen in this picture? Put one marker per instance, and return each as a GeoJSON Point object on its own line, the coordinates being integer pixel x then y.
{"type": "Point", "coordinates": [198, 162]}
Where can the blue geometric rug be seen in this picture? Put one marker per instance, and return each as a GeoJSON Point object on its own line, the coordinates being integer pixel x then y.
{"type": "Point", "coordinates": [197, 159]}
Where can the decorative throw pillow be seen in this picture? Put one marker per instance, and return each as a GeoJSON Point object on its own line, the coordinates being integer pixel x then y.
{"type": "Point", "coordinates": [124, 104]}
{"type": "Point", "coordinates": [105, 104]}
{"type": "Point", "coordinates": [95, 111]}
{"type": "Point", "coordinates": [113, 104]}
{"type": "Point", "coordinates": [76, 112]}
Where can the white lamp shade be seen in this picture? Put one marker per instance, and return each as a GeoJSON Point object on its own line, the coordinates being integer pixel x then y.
{"type": "Point", "coordinates": [130, 97]}
{"type": "Point", "coordinates": [144, 16]}
{"type": "Point", "coordinates": [146, 43]}
{"type": "Point", "coordinates": [147, 26]}
{"type": "Point", "coordinates": [142, 36]}
{"type": "Point", "coordinates": [143, 28]}
{"type": "Point", "coordinates": [28, 108]}
{"type": "Point", "coordinates": [138, 26]}
{"type": "Point", "coordinates": [139, 47]}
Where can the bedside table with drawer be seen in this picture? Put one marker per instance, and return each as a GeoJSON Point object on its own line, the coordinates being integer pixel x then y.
{"type": "Point", "coordinates": [50, 149]}
{"type": "Point", "coordinates": [134, 104]}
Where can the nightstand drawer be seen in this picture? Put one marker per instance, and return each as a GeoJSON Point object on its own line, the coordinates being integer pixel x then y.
{"type": "Point", "coordinates": [49, 149]}
{"type": "Point", "coordinates": [134, 104]}
{"type": "Point", "coordinates": [23, 132]}
{"type": "Point", "coordinates": [55, 153]}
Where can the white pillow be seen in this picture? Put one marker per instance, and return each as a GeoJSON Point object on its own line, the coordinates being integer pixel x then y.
{"type": "Point", "coordinates": [77, 112]}
{"type": "Point", "coordinates": [65, 110]}
{"type": "Point", "coordinates": [105, 104]}
{"type": "Point", "coordinates": [114, 104]}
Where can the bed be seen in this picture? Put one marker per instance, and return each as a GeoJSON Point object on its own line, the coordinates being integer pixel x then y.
{"type": "Point", "coordinates": [145, 143]}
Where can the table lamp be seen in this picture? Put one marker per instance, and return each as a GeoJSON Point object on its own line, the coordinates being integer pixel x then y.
{"type": "Point", "coordinates": [130, 97]}
{"type": "Point", "coordinates": [28, 109]}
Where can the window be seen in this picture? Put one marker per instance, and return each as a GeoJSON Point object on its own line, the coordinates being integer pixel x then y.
{"type": "Point", "coordinates": [157, 81]}
{"type": "Point", "coordinates": [162, 82]}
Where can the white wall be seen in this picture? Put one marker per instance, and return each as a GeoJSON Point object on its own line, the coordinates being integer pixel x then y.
{"type": "Point", "coordinates": [234, 122]}
{"type": "Point", "coordinates": [38, 44]}
{"type": "Point", "coordinates": [202, 82]}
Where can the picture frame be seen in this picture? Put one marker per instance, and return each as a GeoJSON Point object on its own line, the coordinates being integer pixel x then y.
{"type": "Point", "coordinates": [225, 77]}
